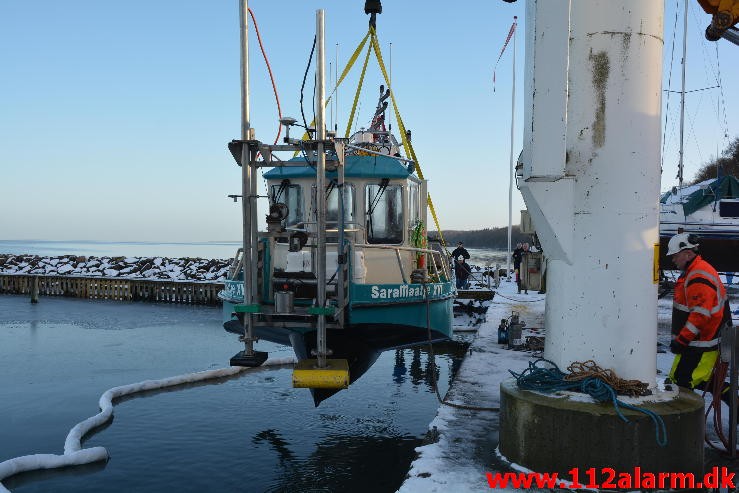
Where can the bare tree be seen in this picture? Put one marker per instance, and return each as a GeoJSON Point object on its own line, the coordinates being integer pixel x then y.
{"type": "Point", "coordinates": [728, 164]}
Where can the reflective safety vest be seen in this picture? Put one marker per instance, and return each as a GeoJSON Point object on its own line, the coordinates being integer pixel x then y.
{"type": "Point", "coordinates": [700, 307]}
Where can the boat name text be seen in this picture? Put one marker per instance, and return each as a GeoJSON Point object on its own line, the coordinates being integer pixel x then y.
{"type": "Point", "coordinates": [404, 291]}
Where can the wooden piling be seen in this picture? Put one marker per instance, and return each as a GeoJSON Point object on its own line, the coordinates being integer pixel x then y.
{"type": "Point", "coordinates": [184, 292]}
{"type": "Point", "coordinates": [34, 289]}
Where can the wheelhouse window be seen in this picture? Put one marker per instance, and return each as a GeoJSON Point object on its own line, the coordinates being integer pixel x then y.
{"type": "Point", "coordinates": [384, 206]}
{"type": "Point", "coordinates": [414, 209]}
{"type": "Point", "coordinates": [292, 197]}
{"type": "Point", "coordinates": [332, 203]}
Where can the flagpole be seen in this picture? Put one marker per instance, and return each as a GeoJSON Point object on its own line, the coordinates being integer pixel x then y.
{"type": "Point", "coordinates": [512, 164]}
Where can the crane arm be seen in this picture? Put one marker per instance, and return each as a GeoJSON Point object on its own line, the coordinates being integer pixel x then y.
{"type": "Point", "coordinates": [725, 15]}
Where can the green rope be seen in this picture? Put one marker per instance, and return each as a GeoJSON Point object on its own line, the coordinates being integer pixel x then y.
{"type": "Point", "coordinates": [552, 379]}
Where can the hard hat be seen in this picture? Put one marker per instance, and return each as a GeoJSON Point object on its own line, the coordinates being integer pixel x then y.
{"type": "Point", "coordinates": [680, 242]}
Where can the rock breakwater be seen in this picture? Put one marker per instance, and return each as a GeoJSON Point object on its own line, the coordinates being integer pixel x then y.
{"type": "Point", "coordinates": [152, 268]}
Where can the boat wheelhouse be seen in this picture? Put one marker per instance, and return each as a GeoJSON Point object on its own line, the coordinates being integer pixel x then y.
{"type": "Point", "coordinates": [375, 284]}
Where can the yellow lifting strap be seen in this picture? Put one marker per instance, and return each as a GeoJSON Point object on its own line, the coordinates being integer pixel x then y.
{"type": "Point", "coordinates": [356, 94]}
{"type": "Point", "coordinates": [410, 152]}
{"type": "Point", "coordinates": [407, 146]}
{"type": "Point", "coordinates": [346, 70]}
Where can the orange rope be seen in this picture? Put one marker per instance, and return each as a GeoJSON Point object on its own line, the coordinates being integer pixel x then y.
{"type": "Point", "coordinates": [271, 77]}
{"type": "Point", "coordinates": [715, 387]}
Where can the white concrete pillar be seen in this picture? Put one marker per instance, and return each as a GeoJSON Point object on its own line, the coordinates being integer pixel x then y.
{"type": "Point", "coordinates": [591, 175]}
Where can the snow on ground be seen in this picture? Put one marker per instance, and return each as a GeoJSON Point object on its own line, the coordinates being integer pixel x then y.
{"type": "Point", "coordinates": [464, 441]}
{"type": "Point", "coordinates": [153, 268]}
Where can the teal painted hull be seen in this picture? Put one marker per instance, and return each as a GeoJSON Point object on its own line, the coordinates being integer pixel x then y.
{"type": "Point", "coordinates": [404, 306]}
{"type": "Point", "coordinates": [392, 311]}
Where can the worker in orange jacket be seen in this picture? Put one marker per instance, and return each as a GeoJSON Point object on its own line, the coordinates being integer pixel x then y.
{"type": "Point", "coordinates": [700, 310]}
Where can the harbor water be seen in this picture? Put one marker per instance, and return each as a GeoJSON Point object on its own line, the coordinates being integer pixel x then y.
{"type": "Point", "coordinates": [253, 432]}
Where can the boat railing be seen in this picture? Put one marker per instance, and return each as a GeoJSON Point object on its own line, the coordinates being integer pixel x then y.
{"type": "Point", "coordinates": [376, 153]}
{"type": "Point", "coordinates": [301, 226]}
{"type": "Point", "coordinates": [237, 263]}
{"type": "Point", "coordinates": [431, 254]}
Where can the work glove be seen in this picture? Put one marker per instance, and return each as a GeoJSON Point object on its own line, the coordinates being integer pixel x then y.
{"type": "Point", "coordinates": [677, 347]}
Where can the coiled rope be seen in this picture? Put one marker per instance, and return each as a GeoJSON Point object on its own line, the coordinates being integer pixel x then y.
{"type": "Point", "coordinates": [589, 379]}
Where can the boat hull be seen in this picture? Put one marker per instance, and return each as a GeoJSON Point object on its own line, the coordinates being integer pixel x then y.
{"type": "Point", "coordinates": [384, 316]}
{"type": "Point", "coordinates": [375, 324]}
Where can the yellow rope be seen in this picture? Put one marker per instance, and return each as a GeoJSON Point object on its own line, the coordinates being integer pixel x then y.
{"type": "Point", "coordinates": [410, 152]}
{"type": "Point", "coordinates": [356, 94]}
{"type": "Point", "coordinates": [346, 70]}
{"type": "Point", "coordinates": [436, 220]}
{"type": "Point", "coordinates": [407, 146]}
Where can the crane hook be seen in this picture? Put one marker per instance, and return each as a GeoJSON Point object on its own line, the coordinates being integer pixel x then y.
{"type": "Point", "coordinates": [373, 7]}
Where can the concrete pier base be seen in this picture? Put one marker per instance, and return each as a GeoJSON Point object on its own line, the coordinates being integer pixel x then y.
{"type": "Point", "coordinates": [556, 434]}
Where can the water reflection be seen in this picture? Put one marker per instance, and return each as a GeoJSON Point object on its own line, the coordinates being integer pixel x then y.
{"type": "Point", "coordinates": [343, 463]}
{"type": "Point", "coordinates": [29, 478]}
{"type": "Point", "coordinates": [425, 369]}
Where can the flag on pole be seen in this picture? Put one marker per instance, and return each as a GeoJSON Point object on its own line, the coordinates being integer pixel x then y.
{"type": "Point", "coordinates": [507, 40]}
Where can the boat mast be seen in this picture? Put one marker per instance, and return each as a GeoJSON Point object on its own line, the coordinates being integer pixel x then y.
{"type": "Point", "coordinates": [682, 99]}
{"type": "Point", "coordinates": [512, 164]}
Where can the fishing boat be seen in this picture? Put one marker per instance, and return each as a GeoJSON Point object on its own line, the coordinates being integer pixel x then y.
{"type": "Point", "coordinates": [343, 270]}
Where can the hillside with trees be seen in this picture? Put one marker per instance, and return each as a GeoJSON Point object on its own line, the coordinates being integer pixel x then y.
{"type": "Point", "coordinates": [728, 163]}
{"type": "Point", "coordinates": [484, 238]}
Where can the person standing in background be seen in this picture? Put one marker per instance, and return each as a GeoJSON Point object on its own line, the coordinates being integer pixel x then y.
{"type": "Point", "coordinates": [460, 251]}
{"type": "Point", "coordinates": [517, 256]}
{"type": "Point", "coordinates": [462, 272]}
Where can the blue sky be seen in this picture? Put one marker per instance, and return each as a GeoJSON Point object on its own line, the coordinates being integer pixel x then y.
{"type": "Point", "coordinates": [114, 116]}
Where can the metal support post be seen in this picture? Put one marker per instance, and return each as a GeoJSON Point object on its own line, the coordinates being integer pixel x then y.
{"type": "Point", "coordinates": [247, 357]}
{"type": "Point", "coordinates": [341, 251]}
{"type": "Point", "coordinates": [246, 171]}
{"type": "Point", "coordinates": [321, 188]}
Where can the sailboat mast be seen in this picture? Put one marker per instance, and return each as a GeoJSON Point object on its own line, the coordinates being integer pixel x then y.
{"type": "Point", "coordinates": [682, 99]}
{"type": "Point", "coordinates": [512, 164]}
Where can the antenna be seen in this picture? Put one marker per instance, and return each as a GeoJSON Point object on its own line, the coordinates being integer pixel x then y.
{"type": "Point", "coordinates": [331, 110]}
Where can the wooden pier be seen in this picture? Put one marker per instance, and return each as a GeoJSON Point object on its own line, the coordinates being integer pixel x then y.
{"type": "Point", "coordinates": [199, 293]}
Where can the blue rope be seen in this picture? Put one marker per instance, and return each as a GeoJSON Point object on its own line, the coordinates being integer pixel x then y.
{"type": "Point", "coordinates": [552, 379]}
